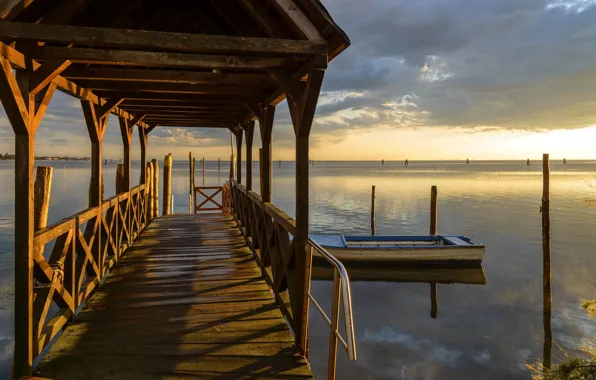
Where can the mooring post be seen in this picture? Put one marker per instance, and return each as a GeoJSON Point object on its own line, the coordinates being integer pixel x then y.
{"type": "Point", "coordinates": [120, 179]}
{"type": "Point", "coordinates": [190, 191]}
{"type": "Point", "coordinates": [203, 171]}
{"type": "Point", "coordinates": [218, 165]}
{"type": "Point", "coordinates": [167, 185]}
{"type": "Point", "coordinates": [434, 299]}
{"type": "Point", "coordinates": [43, 187]}
{"type": "Point", "coordinates": [546, 260]}
{"type": "Point", "coordinates": [194, 200]}
{"type": "Point", "coordinates": [433, 210]}
{"type": "Point", "coordinates": [155, 187]}
{"type": "Point", "coordinates": [149, 191]}
{"type": "Point", "coordinates": [373, 227]}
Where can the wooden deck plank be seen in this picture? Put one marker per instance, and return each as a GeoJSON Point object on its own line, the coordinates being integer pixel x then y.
{"type": "Point", "coordinates": [187, 301]}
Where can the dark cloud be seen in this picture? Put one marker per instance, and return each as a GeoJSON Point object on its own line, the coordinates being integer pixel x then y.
{"type": "Point", "coordinates": [481, 64]}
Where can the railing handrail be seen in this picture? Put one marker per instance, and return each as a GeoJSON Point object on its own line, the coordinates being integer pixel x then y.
{"type": "Point", "coordinates": [346, 296]}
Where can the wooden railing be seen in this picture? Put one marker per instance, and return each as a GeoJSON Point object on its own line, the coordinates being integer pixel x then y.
{"type": "Point", "coordinates": [86, 246]}
{"type": "Point", "coordinates": [268, 232]}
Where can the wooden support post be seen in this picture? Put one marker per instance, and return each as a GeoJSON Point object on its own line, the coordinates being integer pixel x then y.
{"type": "Point", "coordinates": [155, 187]}
{"type": "Point", "coordinates": [96, 129]}
{"type": "Point", "coordinates": [373, 227]}
{"type": "Point", "coordinates": [126, 130]}
{"type": "Point", "coordinates": [167, 185]}
{"type": "Point", "coordinates": [266, 127]}
{"type": "Point", "coordinates": [546, 261]}
{"type": "Point", "coordinates": [261, 172]}
{"type": "Point", "coordinates": [250, 129]}
{"type": "Point", "coordinates": [191, 185]}
{"type": "Point", "coordinates": [120, 181]}
{"type": "Point", "coordinates": [433, 211]}
{"type": "Point", "coordinates": [143, 140]}
{"type": "Point", "coordinates": [239, 156]}
{"type": "Point", "coordinates": [302, 107]}
{"type": "Point", "coordinates": [25, 97]}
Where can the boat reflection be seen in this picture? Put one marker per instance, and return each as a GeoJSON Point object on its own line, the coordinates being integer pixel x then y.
{"type": "Point", "coordinates": [470, 275]}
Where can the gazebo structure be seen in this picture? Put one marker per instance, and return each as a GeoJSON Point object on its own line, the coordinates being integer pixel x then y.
{"type": "Point", "coordinates": [175, 63]}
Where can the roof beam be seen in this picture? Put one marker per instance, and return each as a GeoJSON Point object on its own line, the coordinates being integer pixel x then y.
{"type": "Point", "coordinates": [169, 98]}
{"type": "Point", "coordinates": [156, 59]}
{"type": "Point", "coordinates": [301, 23]}
{"type": "Point", "coordinates": [186, 88]}
{"type": "Point", "coordinates": [159, 41]}
{"type": "Point", "coordinates": [168, 76]}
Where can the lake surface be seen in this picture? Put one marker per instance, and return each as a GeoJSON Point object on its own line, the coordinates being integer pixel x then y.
{"type": "Point", "coordinates": [481, 331]}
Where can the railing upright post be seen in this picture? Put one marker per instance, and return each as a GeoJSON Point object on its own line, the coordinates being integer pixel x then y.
{"type": "Point", "coordinates": [332, 363]}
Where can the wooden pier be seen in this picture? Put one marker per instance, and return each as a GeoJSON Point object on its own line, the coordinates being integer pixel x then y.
{"type": "Point", "coordinates": [115, 291]}
{"type": "Point", "coordinates": [187, 301]}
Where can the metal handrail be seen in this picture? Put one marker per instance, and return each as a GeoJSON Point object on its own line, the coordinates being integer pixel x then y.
{"type": "Point", "coordinates": [341, 284]}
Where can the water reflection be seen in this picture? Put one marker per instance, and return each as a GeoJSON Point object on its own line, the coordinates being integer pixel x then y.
{"type": "Point", "coordinates": [432, 275]}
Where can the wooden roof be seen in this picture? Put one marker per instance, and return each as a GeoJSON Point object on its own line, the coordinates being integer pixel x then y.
{"type": "Point", "coordinates": [202, 63]}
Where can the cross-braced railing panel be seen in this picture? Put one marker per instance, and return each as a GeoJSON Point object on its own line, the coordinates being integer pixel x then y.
{"type": "Point", "coordinates": [85, 247]}
{"type": "Point", "coordinates": [209, 198]}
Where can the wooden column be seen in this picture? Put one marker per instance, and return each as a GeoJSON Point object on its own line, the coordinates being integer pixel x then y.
{"type": "Point", "coordinates": [373, 226]}
{"type": "Point", "coordinates": [250, 129]}
{"type": "Point", "coordinates": [126, 132]}
{"type": "Point", "coordinates": [120, 181]}
{"type": "Point", "coordinates": [265, 127]}
{"type": "Point", "coordinates": [302, 102]}
{"type": "Point", "coordinates": [261, 172]}
{"type": "Point", "coordinates": [167, 185]}
{"type": "Point", "coordinates": [143, 140]}
{"type": "Point", "coordinates": [239, 155]}
{"type": "Point", "coordinates": [25, 98]}
{"type": "Point", "coordinates": [96, 124]}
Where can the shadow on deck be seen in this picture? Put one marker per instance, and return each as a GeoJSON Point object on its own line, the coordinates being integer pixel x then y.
{"type": "Point", "coordinates": [187, 301]}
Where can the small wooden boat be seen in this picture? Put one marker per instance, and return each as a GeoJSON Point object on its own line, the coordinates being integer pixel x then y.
{"type": "Point", "coordinates": [402, 249]}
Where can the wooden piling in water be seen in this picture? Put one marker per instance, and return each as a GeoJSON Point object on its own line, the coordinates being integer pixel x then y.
{"type": "Point", "coordinates": [120, 179]}
{"type": "Point", "coordinates": [203, 166]}
{"type": "Point", "coordinates": [167, 185]}
{"type": "Point", "coordinates": [373, 227]}
{"type": "Point", "coordinates": [43, 187]}
{"type": "Point", "coordinates": [218, 165]}
{"type": "Point", "coordinates": [546, 261]}
{"type": "Point", "coordinates": [194, 200]}
{"type": "Point", "coordinates": [434, 300]}
{"type": "Point", "coordinates": [149, 191]}
{"type": "Point", "coordinates": [190, 186]}
{"type": "Point", "coordinates": [155, 187]}
{"type": "Point", "coordinates": [433, 210]}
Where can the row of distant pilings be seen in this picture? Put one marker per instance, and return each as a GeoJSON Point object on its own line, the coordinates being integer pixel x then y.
{"type": "Point", "coordinates": [546, 252]}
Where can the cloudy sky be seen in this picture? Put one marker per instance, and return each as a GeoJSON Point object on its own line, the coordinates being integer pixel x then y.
{"type": "Point", "coordinates": [425, 79]}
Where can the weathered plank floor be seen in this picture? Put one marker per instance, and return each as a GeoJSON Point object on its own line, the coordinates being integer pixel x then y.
{"type": "Point", "coordinates": [186, 302]}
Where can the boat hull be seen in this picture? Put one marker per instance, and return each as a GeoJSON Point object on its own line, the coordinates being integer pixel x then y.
{"type": "Point", "coordinates": [472, 254]}
{"type": "Point", "coordinates": [402, 249]}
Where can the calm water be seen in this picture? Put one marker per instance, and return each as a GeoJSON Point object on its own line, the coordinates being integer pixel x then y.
{"type": "Point", "coordinates": [482, 331]}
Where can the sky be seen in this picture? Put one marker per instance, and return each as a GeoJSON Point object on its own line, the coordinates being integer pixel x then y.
{"type": "Point", "coordinates": [424, 79]}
